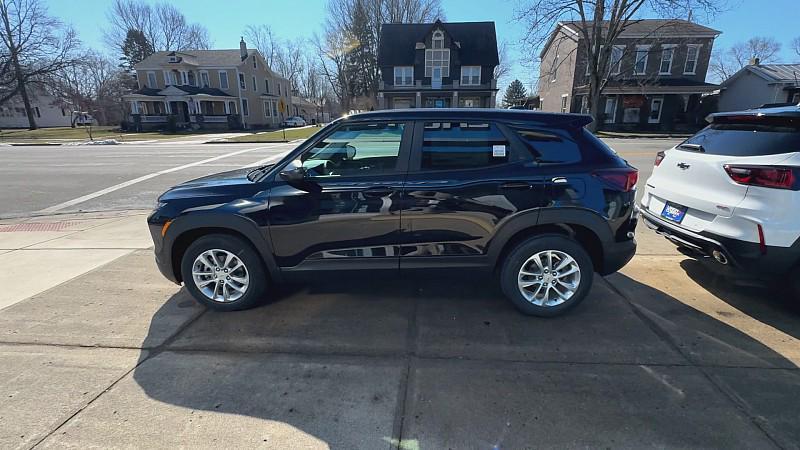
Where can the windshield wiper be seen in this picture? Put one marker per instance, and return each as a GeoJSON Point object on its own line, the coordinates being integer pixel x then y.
{"type": "Point", "coordinates": [693, 147]}
{"type": "Point", "coordinates": [254, 174]}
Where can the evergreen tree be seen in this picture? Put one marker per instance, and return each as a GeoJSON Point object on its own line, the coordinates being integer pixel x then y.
{"type": "Point", "coordinates": [514, 92]}
{"type": "Point", "coordinates": [135, 48]}
{"type": "Point", "coordinates": [361, 56]}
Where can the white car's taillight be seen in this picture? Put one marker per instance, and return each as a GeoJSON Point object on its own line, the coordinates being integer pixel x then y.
{"type": "Point", "coordinates": [764, 176]}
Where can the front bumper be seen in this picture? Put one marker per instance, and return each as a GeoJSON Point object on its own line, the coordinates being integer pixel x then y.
{"type": "Point", "coordinates": [739, 257]}
{"type": "Point", "coordinates": [163, 253]}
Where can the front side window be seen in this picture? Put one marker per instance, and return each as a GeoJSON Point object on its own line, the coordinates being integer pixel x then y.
{"type": "Point", "coordinates": [666, 60]}
{"type": "Point", "coordinates": [242, 82]}
{"type": "Point", "coordinates": [151, 80]}
{"type": "Point", "coordinates": [204, 79]}
{"type": "Point", "coordinates": [245, 107]}
{"type": "Point", "coordinates": [564, 103]}
{"type": "Point", "coordinates": [404, 76]}
{"type": "Point", "coordinates": [356, 150]}
{"type": "Point", "coordinates": [223, 80]}
{"type": "Point", "coordinates": [437, 42]}
{"type": "Point", "coordinates": [691, 60]}
{"type": "Point", "coordinates": [437, 59]}
{"type": "Point", "coordinates": [549, 147]}
{"type": "Point", "coordinates": [462, 145]}
{"type": "Point", "coordinates": [470, 75]}
{"type": "Point", "coordinates": [255, 85]}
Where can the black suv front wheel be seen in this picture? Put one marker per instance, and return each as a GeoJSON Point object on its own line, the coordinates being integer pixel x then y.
{"type": "Point", "coordinates": [547, 275]}
{"type": "Point", "coordinates": [223, 273]}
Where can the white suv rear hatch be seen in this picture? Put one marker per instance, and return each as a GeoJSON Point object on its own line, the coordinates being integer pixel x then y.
{"type": "Point", "coordinates": [692, 175]}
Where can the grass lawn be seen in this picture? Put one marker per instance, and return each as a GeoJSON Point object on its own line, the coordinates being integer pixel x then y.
{"type": "Point", "coordinates": [277, 136]}
{"type": "Point", "coordinates": [59, 134]}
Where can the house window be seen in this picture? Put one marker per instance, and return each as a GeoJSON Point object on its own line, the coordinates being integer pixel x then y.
{"type": "Point", "coordinates": [184, 78]}
{"type": "Point", "coordinates": [470, 75]}
{"type": "Point", "coordinates": [192, 78]}
{"type": "Point", "coordinates": [616, 59]}
{"type": "Point", "coordinates": [266, 85]}
{"type": "Point", "coordinates": [242, 82]}
{"type": "Point", "coordinates": [255, 64]}
{"type": "Point", "coordinates": [204, 79]}
{"type": "Point", "coordinates": [63, 113]}
{"type": "Point", "coordinates": [223, 80]}
{"type": "Point", "coordinates": [404, 76]}
{"type": "Point", "coordinates": [267, 109]}
{"type": "Point", "coordinates": [255, 85]}
{"type": "Point", "coordinates": [245, 107]}
{"type": "Point", "coordinates": [554, 69]}
{"type": "Point", "coordinates": [655, 110]}
{"type": "Point", "coordinates": [170, 78]}
{"type": "Point", "coordinates": [564, 103]}
{"type": "Point", "coordinates": [692, 51]}
{"type": "Point", "coordinates": [274, 109]}
{"type": "Point", "coordinates": [437, 61]}
{"type": "Point", "coordinates": [38, 114]}
{"type": "Point", "coordinates": [667, 54]}
{"type": "Point", "coordinates": [151, 80]}
{"type": "Point", "coordinates": [437, 42]}
{"type": "Point", "coordinates": [640, 65]}
{"type": "Point", "coordinates": [610, 111]}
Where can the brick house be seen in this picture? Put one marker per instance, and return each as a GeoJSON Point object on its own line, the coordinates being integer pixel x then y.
{"type": "Point", "coordinates": [656, 75]}
{"type": "Point", "coordinates": [208, 88]}
{"type": "Point", "coordinates": [437, 65]}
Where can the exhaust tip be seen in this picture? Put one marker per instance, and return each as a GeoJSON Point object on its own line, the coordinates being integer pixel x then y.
{"type": "Point", "coordinates": [720, 257]}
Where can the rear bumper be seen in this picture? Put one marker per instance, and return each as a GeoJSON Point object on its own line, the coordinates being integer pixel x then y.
{"type": "Point", "coordinates": [738, 257]}
{"type": "Point", "coordinates": [616, 255]}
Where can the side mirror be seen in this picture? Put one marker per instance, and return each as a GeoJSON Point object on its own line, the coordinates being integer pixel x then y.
{"type": "Point", "coordinates": [293, 171]}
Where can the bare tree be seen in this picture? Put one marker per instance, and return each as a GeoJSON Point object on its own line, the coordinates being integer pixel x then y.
{"type": "Point", "coordinates": [332, 50]}
{"type": "Point", "coordinates": [795, 44]}
{"type": "Point", "coordinates": [504, 67]}
{"type": "Point", "coordinates": [36, 46]}
{"type": "Point", "coordinates": [263, 39]}
{"type": "Point", "coordinates": [290, 61]}
{"type": "Point", "coordinates": [96, 85]}
{"type": "Point", "coordinates": [349, 20]}
{"type": "Point", "coordinates": [600, 23]}
{"type": "Point", "coordinates": [726, 62]}
{"type": "Point", "coordinates": [164, 26]}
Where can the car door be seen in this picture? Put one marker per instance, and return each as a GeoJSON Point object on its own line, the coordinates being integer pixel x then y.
{"type": "Point", "coordinates": [345, 211]}
{"type": "Point", "coordinates": [465, 177]}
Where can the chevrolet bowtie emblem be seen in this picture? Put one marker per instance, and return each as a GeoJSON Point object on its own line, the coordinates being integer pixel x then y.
{"type": "Point", "coordinates": [683, 166]}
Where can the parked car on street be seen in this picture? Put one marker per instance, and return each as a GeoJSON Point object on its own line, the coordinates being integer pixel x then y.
{"type": "Point", "coordinates": [294, 121]}
{"type": "Point", "coordinates": [731, 194]}
{"type": "Point", "coordinates": [532, 197]}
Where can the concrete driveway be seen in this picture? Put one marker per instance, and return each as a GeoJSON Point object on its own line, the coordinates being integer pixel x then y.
{"type": "Point", "coordinates": [660, 355]}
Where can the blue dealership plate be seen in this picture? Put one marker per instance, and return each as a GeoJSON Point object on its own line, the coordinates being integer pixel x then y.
{"type": "Point", "coordinates": [674, 212]}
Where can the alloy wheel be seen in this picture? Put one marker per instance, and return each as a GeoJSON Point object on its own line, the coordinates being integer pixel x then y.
{"type": "Point", "coordinates": [220, 275]}
{"type": "Point", "coordinates": [549, 278]}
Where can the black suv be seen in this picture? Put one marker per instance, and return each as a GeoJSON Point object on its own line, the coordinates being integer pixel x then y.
{"type": "Point", "coordinates": [532, 196]}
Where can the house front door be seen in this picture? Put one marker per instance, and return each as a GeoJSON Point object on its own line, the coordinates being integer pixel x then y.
{"type": "Point", "coordinates": [436, 78]}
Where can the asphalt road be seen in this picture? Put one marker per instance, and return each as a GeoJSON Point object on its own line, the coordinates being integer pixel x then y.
{"type": "Point", "coordinates": [48, 179]}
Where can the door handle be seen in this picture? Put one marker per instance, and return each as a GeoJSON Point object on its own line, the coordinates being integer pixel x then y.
{"type": "Point", "coordinates": [378, 191]}
{"type": "Point", "coordinates": [559, 180]}
{"type": "Point", "coordinates": [515, 185]}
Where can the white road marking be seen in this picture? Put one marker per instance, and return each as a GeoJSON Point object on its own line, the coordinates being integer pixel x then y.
{"type": "Point", "coordinates": [125, 184]}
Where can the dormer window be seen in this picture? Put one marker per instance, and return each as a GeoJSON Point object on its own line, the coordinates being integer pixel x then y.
{"type": "Point", "coordinates": [173, 59]}
{"type": "Point", "coordinates": [437, 42]}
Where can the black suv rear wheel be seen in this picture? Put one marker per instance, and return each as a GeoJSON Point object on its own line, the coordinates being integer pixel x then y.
{"type": "Point", "coordinates": [224, 273]}
{"type": "Point", "coordinates": [547, 275]}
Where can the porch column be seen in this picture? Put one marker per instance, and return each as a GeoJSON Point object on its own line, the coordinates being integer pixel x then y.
{"type": "Point", "coordinates": [227, 110]}
{"type": "Point", "coordinates": [167, 108]}
{"type": "Point", "coordinates": [418, 103]}
{"type": "Point", "coordinates": [493, 100]}
{"type": "Point", "coordinates": [134, 107]}
{"type": "Point", "coordinates": [455, 99]}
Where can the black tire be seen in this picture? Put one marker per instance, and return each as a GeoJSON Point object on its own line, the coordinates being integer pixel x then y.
{"type": "Point", "coordinates": [257, 285]}
{"type": "Point", "coordinates": [525, 250]}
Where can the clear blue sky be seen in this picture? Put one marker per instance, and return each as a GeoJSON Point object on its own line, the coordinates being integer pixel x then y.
{"type": "Point", "coordinates": [302, 18]}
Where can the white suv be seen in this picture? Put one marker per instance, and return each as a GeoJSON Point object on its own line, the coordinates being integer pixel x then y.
{"type": "Point", "coordinates": [731, 193]}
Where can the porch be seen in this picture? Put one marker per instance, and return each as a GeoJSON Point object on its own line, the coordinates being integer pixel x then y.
{"type": "Point", "coordinates": [189, 112]}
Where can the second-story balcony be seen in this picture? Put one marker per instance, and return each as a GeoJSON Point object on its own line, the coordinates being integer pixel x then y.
{"type": "Point", "coordinates": [418, 86]}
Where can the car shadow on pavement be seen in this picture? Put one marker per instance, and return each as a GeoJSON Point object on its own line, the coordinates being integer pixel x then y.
{"type": "Point", "coordinates": [768, 304]}
{"type": "Point", "coordinates": [327, 364]}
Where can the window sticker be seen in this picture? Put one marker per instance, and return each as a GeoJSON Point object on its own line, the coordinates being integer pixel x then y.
{"type": "Point", "coordinates": [499, 151]}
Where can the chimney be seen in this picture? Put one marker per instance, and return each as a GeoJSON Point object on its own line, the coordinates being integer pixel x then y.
{"type": "Point", "coordinates": [243, 49]}
{"type": "Point", "coordinates": [755, 61]}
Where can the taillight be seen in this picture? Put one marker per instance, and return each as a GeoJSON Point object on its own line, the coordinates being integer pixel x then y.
{"type": "Point", "coordinates": [764, 176]}
{"type": "Point", "coordinates": [622, 179]}
{"type": "Point", "coordinates": [659, 157]}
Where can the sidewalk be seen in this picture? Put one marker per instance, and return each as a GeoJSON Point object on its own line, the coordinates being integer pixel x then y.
{"type": "Point", "coordinates": [43, 252]}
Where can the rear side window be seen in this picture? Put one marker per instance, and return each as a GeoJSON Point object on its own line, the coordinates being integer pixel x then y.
{"type": "Point", "coordinates": [744, 140]}
{"type": "Point", "coordinates": [549, 147]}
{"type": "Point", "coordinates": [462, 145]}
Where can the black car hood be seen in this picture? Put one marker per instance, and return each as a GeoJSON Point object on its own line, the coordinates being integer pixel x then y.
{"type": "Point", "coordinates": [232, 184]}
